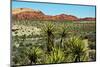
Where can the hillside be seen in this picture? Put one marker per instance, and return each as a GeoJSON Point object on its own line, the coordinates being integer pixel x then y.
{"type": "Point", "coordinates": [31, 14]}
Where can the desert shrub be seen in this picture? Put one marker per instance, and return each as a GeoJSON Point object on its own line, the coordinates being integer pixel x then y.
{"type": "Point", "coordinates": [92, 55]}
{"type": "Point", "coordinates": [92, 45]}
{"type": "Point", "coordinates": [44, 48]}
{"type": "Point", "coordinates": [27, 54]}
{"type": "Point", "coordinates": [34, 55]}
{"type": "Point", "coordinates": [77, 48]}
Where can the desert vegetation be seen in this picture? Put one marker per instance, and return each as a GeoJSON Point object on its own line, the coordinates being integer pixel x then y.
{"type": "Point", "coordinates": [46, 42]}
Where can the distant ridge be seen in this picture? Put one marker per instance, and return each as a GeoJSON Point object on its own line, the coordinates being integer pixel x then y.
{"type": "Point", "coordinates": [28, 13]}
{"type": "Point", "coordinates": [88, 19]}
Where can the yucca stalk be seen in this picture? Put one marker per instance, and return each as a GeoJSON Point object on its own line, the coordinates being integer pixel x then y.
{"type": "Point", "coordinates": [63, 35]}
{"type": "Point", "coordinates": [48, 30]}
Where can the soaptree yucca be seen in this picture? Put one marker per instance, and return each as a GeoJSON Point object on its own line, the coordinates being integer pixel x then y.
{"type": "Point", "coordinates": [48, 30]}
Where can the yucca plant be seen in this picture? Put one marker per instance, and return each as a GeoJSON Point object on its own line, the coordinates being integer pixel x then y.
{"type": "Point", "coordinates": [34, 53]}
{"type": "Point", "coordinates": [63, 35]}
{"type": "Point", "coordinates": [77, 48]}
{"type": "Point", "coordinates": [27, 54]}
{"type": "Point", "coordinates": [55, 56]}
{"type": "Point", "coordinates": [48, 30]}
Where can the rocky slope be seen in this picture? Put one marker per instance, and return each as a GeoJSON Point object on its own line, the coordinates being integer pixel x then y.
{"type": "Point", "coordinates": [30, 14]}
{"type": "Point", "coordinates": [87, 19]}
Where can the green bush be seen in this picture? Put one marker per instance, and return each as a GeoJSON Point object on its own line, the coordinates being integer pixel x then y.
{"type": "Point", "coordinates": [77, 48]}
{"type": "Point", "coordinates": [55, 56]}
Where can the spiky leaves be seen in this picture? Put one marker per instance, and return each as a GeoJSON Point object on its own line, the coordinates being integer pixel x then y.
{"type": "Point", "coordinates": [48, 30]}
{"type": "Point", "coordinates": [34, 54]}
{"type": "Point", "coordinates": [63, 34]}
{"type": "Point", "coordinates": [55, 56]}
{"type": "Point", "coordinates": [78, 48]}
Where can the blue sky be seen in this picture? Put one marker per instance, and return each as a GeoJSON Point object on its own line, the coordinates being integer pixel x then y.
{"type": "Point", "coordinates": [56, 9]}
